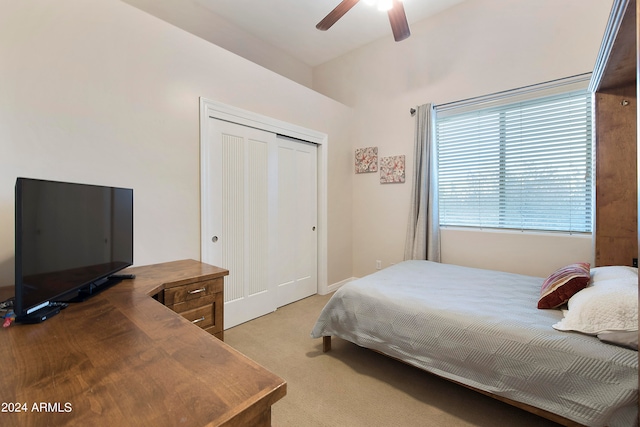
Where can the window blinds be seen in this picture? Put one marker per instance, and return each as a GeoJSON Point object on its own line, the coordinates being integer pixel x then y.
{"type": "Point", "coordinates": [524, 165]}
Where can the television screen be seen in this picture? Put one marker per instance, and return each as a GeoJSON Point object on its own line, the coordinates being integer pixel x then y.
{"type": "Point", "coordinates": [68, 237]}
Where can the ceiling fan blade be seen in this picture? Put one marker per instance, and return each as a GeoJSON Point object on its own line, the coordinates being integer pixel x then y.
{"type": "Point", "coordinates": [336, 14]}
{"type": "Point", "coordinates": [398, 19]}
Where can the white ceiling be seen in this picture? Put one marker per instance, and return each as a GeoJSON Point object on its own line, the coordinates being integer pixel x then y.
{"type": "Point", "coordinates": [288, 25]}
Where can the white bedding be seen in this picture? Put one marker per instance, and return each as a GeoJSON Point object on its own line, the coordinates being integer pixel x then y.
{"type": "Point", "coordinates": [482, 328]}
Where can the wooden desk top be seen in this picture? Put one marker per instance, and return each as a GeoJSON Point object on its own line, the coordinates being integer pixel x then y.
{"type": "Point", "coordinates": [121, 358]}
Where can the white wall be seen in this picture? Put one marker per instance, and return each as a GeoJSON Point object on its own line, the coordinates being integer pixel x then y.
{"type": "Point", "coordinates": [192, 16]}
{"type": "Point", "coordinates": [475, 48]}
{"type": "Point", "coordinates": [100, 92]}
{"type": "Point", "coordinates": [535, 254]}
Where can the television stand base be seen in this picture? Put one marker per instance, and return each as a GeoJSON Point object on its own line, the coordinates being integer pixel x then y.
{"type": "Point", "coordinates": [95, 288]}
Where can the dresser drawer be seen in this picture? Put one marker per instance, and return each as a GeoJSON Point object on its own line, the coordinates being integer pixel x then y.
{"type": "Point", "coordinates": [203, 316]}
{"type": "Point", "coordinates": [202, 291]}
{"type": "Point", "coordinates": [208, 317]}
{"type": "Point", "coordinates": [193, 303]}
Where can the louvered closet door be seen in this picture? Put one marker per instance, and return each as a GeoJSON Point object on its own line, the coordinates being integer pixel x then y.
{"type": "Point", "coordinates": [239, 212]}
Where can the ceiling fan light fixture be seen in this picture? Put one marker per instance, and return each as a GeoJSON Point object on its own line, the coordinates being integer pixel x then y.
{"type": "Point", "coordinates": [382, 5]}
{"type": "Point", "coordinates": [394, 9]}
{"type": "Point", "coordinates": [385, 5]}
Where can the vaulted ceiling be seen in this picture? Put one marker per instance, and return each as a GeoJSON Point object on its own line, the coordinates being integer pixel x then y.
{"type": "Point", "coordinates": [247, 27]}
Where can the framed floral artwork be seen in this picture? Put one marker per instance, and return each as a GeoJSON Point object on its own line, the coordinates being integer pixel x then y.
{"type": "Point", "coordinates": [392, 169]}
{"type": "Point", "coordinates": [366, 159]}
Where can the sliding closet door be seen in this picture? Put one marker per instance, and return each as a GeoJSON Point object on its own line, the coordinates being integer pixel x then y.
{"type": "Point", "coordinates": [297, 219]}
{"type": "Point", "coordinates": [238, 217]}
{"type": "Point", "coordinates": [259, 217]}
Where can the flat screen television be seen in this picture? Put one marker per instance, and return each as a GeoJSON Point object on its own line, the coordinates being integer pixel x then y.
{"type": "Point", "coordinates": [70, 240]}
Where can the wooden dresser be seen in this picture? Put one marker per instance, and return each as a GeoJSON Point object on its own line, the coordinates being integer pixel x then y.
{"type": "Point", "coordinates": [123, 358]}
{"type": "Point", "coordinates": [199, 301]}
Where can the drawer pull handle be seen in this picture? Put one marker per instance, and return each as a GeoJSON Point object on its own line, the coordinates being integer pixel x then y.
{"type": "Point", "coordinates": [197, 291]}
{"type": "Point", "coordinates": [197, 320]}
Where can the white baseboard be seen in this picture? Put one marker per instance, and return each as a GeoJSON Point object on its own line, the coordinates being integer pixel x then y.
{"type": "Point", "coordinates": [335, 286]}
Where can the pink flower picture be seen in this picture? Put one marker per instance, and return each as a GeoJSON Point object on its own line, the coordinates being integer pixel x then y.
{"type": "Point", "coordinates": [392, 169]}
{"type": "Point", "coordinates": [366, 159]}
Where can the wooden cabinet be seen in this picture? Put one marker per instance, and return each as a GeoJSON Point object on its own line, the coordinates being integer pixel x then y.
{"type": "Point", "coordinates": [614, 84]}
{"type": "Point", "coordinates": [201, 302]}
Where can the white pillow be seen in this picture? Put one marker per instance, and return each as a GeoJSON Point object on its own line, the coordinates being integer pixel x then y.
{"type": "Point", "coordinates": [613, 272]}
{"type": "Point", "coordinates": [606, 305]}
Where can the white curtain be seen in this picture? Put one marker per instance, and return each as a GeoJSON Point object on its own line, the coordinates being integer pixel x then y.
{"type": "Point", "coordinates": [423, 230]}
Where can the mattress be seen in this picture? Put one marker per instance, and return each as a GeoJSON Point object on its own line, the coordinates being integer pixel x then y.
{"type": "Point", "coordinates": [482, 328]}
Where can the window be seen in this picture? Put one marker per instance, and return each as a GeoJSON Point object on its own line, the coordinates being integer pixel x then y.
{"type": "Point", "coordinates": [522, 165]}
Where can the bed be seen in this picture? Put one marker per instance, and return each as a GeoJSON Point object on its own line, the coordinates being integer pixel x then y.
{"type": "Point", "coordinates": [483, 329]}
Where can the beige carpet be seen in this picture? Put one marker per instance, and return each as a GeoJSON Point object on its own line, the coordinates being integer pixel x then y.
{"type": "Point", "coordinates": [351, 386]}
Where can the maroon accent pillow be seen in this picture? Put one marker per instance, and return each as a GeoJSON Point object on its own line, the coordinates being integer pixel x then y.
{"type": "Point", "coordinates": [563, 283]}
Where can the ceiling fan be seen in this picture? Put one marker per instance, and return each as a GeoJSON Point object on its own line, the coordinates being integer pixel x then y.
{"type": "Point", "coordinates": [395, 10]}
